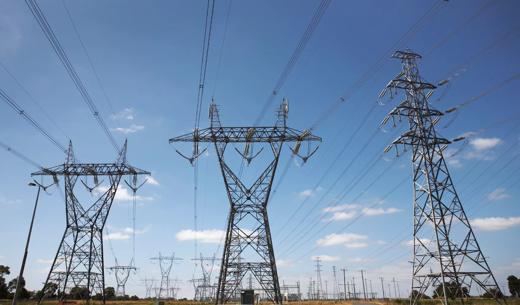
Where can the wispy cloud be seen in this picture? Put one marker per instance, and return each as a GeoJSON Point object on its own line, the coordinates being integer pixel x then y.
{"type": "Point", "coordinates": [379, 211]}
{"type": "Point", "coordinates": [7, 201]}
{"type": "Point", "coordinates": [128, 130]}
{"type": "Point", "coordinates": [152, 181]}
{"type": "Point", "coordinates": [122, 194]}
{"type": "Point", "coordinates": [498, 194]}
{"type": "Point", "coordinates": [484, 143]}
{"type": "Point", "coordinates": [325, 258]}
{"type": "Point", "coordinates": [212, 236]}
{"type": "Point", "coordinates": [349, 211]}
{"type": "Point", "coordinates": [482, 148]}
{"type": "Point", "coordinates": [495, 223]}
{"type": "Point", "coordinates": [309, 192]}
{"type": "Point", "coordinates": [349, 240]}
{"type": "Point", "coordinates": [122, 234]}
{"type": "Point", "coordinates": [125, 114]}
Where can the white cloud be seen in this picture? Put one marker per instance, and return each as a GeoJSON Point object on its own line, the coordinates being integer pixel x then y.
{"type": "Point", "coordinates": [342, 207]}
{"type": "Point", "coordinates": [495, 223]}
{"type": "Point", "coordinates": [152, 181]}
{"type": "Point", "coordinates": [482, 148]}
{"type": "Point", "coordinates": [127, 130]}
{"type": "Point", "coordinates": [123, 234]}
{"type": "Point", "coordinates": [6, 201]}
{"type": "Point", "coordinates": [425, 241]}
{"type": "Point", "coordinates": [498, 194]}
{"type": "Point", "coordinates": [326, 258]}
{"type": "Point", "coordinates": [484, 143]}
{"type": "Point", "coordinates": [212, 236]}
{"type": "Point", "coordinates": [122, 194]}
{"type": "Point", "coordinates": [341, 239]}
{"type": "Point", "coordinates": [116, 236]}
{"type": "Point", "coordinates": [349, 211]}
{"type": "Point", "coordinates": [125, 114]}
{"type": "Point", "coordinates": [309, 192]}
{"type": "Point", "coordinates": [379, 211]}
{"type": "Point", "coordinates": [343, 215]}
{"type": "Point", "coordinates": [356, 245]}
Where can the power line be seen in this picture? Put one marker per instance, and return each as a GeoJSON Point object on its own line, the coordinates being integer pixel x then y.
{"type": "Point", "coordinates": [302, 43]}
{"type": "Point", "coordinates": [221, 50]}
{"type": "Point", "coordinates": [20, 155]}
{"type": "Point", "coordinates": [6, 98]}
{"type": "Point", "coordinates": [379, 63]}
{"type": "Point", "coordinates": [89, 59]}
{"type": "Point", "coordinates": [210, 8]}
{"type": "Point", "coordinates": [71, 71]}
{"type": "Point", "coordinates": [33, 100]}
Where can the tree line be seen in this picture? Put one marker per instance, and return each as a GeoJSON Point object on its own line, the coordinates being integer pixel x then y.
{"type": "Point", "coordinates": [8, 288]}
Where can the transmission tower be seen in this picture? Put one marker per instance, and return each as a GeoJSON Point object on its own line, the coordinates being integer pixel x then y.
{"type": "Point", "coordinates": [149, 284]}
{"type": "Point", "coordinates": [121, 273]}
{"type": "Point", "coordinates": [165, 265]}
{"type": "Point", "coordinates": [204, 289]}
{"type": "Point", "coordinates": [248, 203]}
{"type": "Point", "coordinates": [319, 286]}
{"type": "Point", "coordinates": [79, 260]}
{"type": "Point", "coordinates": [447, 257]}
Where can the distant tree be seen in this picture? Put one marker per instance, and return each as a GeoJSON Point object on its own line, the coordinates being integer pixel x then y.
{"type": "Point", "coordinates": [110, 293]}
{"type": "Point", "coordinates": [79, 293]}
{"type": "Point", "coordinates": [453, 291]}
{"type": "Point", "coordinates": [416, 294]}
{"type": "Point", "coordinates": [4, 291]}
{"type": "Point", "coordinates": [493, 293]}
{"type": "Point", "coordinates": [134, 298]}
{"type": "Point", "coordinates": [513, 284]}
{"type": "Point", "coordinates": [23, 293]}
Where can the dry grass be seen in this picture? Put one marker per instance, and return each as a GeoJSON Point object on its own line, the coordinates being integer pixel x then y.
{"type": "Point", "coordinates": [151, 302]}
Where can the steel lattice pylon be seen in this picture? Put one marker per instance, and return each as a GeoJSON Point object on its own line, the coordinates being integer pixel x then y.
{"type": "Point", "coordinates": [447, 257]}
{"type": "Point", "coordinates": [248, 204]}
{"type": "Point", "coordinates": [79, 260]}
{"type": "Point", "coordinates": [121, 273]}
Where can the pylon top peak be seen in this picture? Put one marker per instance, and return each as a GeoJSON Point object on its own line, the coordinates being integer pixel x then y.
{"type": "Point", "coordinates": [407, 54]}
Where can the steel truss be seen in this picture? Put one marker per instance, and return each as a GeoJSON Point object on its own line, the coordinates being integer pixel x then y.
{"type": "Point", "coordinates": [447, 258]}
{"type": "Point", "coordinates": [79, 260]}
{"type": "Point", "coordinates": [248, 204]}
{"type": "Point", "coordinates": [122, 273]}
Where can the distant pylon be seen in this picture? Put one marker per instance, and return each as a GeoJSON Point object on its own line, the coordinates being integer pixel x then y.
{"type": "Point", "coordinates": [447, 257]}
{"type": "Point", "coordinates": [121, 273]}
{"type": "Point", "coordinates": [319, 285]}
{"type": "Point", "coordinates": [165, 265]}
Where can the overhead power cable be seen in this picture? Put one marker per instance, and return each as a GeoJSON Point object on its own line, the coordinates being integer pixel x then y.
{"type": "Point", "coordinates": [71, 71]}
{"type": "Point", "coordinates": [20, 155]}
{"type": "Point", "coordinates": [379, 63]}
{"type": "Point", "coordinates": [33, 100]}
{"type": "Point", "coordinates": [221, 51]}
{"type": "Point", "coordinates": [89, 59]}
{"type": "Point", "coordinates": [302, 43]}
{"type": "Point", "coordinates": [6, 98]}
{"type": "Point", "coordinates": [210, 8]}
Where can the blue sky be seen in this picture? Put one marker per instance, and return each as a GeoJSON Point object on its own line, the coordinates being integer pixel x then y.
{"type": "Point", "coordinates": [147, 55]}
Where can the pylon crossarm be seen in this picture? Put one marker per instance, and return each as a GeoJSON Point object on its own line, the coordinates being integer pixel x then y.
{"type": "Point", "coordinates": [91, 169]}
{"type": "Point", "coordinates": [245, 135]}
